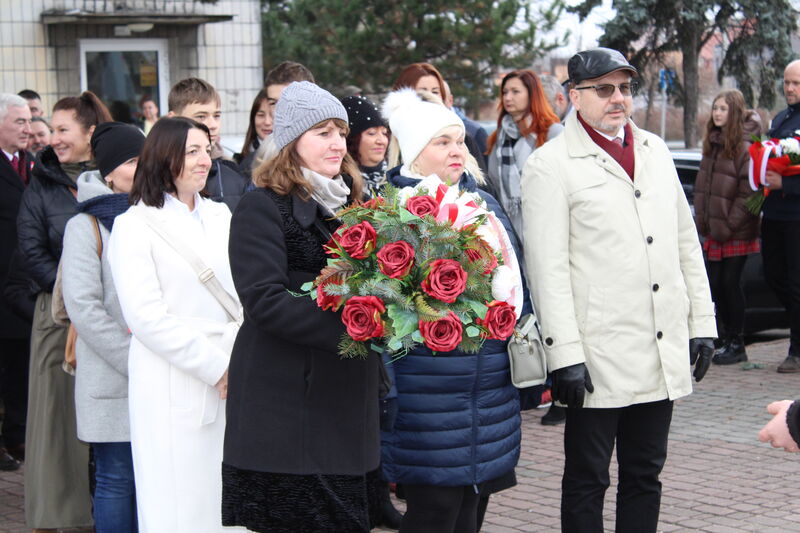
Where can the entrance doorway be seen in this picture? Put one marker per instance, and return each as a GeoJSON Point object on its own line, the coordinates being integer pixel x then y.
{"type": "Point", "coordinates": [123, 71]}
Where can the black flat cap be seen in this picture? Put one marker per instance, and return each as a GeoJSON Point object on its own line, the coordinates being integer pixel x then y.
{"type": "Point", "coordinates": [595, 63]}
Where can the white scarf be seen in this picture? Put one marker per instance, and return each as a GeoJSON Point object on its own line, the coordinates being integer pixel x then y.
{"type": "Point", "coordinates": [330, 192]}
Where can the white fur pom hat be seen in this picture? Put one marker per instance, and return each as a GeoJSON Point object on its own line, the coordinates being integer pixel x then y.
{"type": "Point", "coordinates": [415, 122]}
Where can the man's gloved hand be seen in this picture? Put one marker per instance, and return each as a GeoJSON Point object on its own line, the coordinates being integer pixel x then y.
{"type": "Point", "coordinates": [570, 385]}
{"type": "Point", "coordinates": [700, 351]}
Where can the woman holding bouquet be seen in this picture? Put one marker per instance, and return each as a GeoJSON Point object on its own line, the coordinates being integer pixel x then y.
{"type": "Point", "coordinates": [729, 228]}
{"type": "Point", "coordinates": [302, 422]}
{"type": "Point", "coordinates": [451, 454]}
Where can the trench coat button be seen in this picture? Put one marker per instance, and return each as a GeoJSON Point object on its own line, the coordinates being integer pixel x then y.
{"type": "Point", "coordinates": [655, 287]}
{"type": "Point", "coordinates": [659, 335]}
{"type": "Point", "coordinates": [637, 193]}
{"type": "Point", "coordinates": [548, 341]}
{"type": "Point", "coordinates": [649, 239]}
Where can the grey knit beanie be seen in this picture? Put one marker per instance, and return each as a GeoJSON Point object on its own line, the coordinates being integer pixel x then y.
{"type": "Point", "coordinates": [302, 105]}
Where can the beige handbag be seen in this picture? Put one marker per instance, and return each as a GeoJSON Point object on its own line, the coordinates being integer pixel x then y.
{"type": "Point", "coordinates": [526, 353]}
{"type": "Point", "coordinates": [59, 310]}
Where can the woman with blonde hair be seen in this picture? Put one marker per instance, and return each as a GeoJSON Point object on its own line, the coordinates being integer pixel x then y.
{"type": "Point", "coordinates": [448, 476]}
{"type": "Point", "coordinates": [302, 422]}
{"type": "Point", "coordinates": [526, 121]}
{"type": "Point", "coordinates": [729, 228]}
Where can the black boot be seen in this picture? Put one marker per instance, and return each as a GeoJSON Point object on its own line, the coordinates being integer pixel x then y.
{"type": "Point", "coordinates": [390, 517]}
{"type": "Point", "coordinates": [555, 415]}
{"type": "Point", "coordinates": [722, 345]}
{"type": "Point", "coordinates": [734, 352]}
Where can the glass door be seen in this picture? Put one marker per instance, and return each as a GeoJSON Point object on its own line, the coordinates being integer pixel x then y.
{"type": "Point", "coordinates": [121, 72]}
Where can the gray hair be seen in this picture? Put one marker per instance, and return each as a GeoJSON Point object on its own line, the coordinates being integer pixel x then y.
{"type": "Point", "coordinates": [551, 88]}
{"type": "Point", "coordinates": [10, 100]}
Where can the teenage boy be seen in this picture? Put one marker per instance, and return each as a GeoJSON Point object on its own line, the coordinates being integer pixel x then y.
{"type": "Point", "coordinates": [197, 99]}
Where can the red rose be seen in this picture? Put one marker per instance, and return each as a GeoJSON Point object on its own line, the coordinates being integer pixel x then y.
{"type": "Point", "coordinates": [442, 335]}
{"type": "Point", "coordinates": [359, 240]}
{"type": "Point", "coordinates": [327, 301]}
{"type": "Point", "coordinates": [422, 205]}
{"type": "Point", "coordinates": [446, 279]}
{"type": "Point", "coordinates": [482, 252]}
{"type": "Point", "coordinates": [362, 317]}
{"type": "Point", "coordinates": [396, 259]}
{"type": "Point", "coordinates": [500, 320]}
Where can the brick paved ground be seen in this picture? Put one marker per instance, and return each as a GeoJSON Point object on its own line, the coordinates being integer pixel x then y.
{"type": "Point", "coordinates": [718, 477]}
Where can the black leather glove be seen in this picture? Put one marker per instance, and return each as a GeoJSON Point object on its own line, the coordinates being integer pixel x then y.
{"type": "Point", "coordinates": [570, 385]}
{"type": "Point", "coordinates": [700, 351]}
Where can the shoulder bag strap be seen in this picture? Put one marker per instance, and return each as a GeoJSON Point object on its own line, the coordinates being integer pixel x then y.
{"type": "Point", "coordinates": [97, 236]}
{"type": "Point", "coordinates": [204, 273]}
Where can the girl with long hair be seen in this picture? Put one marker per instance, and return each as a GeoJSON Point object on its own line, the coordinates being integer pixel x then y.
{"type": "Point", "coordinates": [729, 228]}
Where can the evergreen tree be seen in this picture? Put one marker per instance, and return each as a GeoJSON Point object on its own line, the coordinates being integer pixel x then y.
{"type": "Point", "coordinates": [368, 43]}
{"type": "Point", "coordinates": [758, 31]}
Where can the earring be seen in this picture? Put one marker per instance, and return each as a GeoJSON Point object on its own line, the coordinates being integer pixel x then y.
{"type": "Point", "coordinates": [110, 183]}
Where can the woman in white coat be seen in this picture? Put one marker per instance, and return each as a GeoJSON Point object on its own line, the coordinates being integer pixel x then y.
{"type": "Point", "coordinates": [182, 334]}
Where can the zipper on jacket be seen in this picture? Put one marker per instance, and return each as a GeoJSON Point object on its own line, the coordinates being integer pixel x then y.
{"type": "Point", "coordinates": [474, 403]}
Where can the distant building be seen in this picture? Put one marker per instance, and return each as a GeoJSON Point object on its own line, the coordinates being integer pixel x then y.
{"type": "Point", "coordinates": [125, 49]}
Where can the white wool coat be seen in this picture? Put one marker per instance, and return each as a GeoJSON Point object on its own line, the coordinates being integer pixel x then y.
{"type": "Point", "coordinates": [179, 350]}
{"type": "Point", "coordinates": [615, 266]}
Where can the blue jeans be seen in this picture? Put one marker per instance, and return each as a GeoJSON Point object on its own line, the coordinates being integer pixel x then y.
{"type": "Point", "coordinates": [115, 492]}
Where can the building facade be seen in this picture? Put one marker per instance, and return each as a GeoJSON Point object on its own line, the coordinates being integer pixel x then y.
{"type": "Point", "coordinates": [126, 49]}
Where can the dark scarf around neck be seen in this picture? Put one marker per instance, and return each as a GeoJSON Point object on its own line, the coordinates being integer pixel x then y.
{"type": "Point", "coordinates": [105, 207]}
{"type": "Point", "coordinates": [624, 155]}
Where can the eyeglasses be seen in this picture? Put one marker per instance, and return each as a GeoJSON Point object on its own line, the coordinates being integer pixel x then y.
{"type": "Point", "coordinates": [606, 90]}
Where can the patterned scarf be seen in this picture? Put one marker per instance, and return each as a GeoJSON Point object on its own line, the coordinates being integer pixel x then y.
{"type": "Point", "coordinates": [510, 189]}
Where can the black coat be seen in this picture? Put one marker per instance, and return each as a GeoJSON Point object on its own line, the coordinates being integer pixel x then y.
{"type": "Point", "coordinates": [225, 183]}
{"type": "Point", "coordinates": [47, 205]}
{"type": "Point", "coordinates": [294, 406]}
{"type": "Point", "coordinates": [12, 326]}
{"type": "Point", "coordinates": [20, 292]}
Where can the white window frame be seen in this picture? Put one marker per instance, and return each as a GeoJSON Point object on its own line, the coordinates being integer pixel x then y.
{"type": "Point", "coordinates": [161, 46]}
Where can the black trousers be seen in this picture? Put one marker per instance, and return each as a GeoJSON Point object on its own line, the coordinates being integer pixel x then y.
{"type": "Point", "coordinates": [780, 248]}
{"type": "Point", "coordinates": [440, 509]}
{"type": "Point", "coordinates": [641, 432]}
{"type": "Point", "coordinates": [725, 278]}
{"type": "Point", "coordinates": [14, 357]}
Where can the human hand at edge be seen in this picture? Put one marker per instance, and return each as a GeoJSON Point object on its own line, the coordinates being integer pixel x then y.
{"type": "Point", "coordinates": [776, 432]}
{"type": "Point", "coordinates": [222, 386]}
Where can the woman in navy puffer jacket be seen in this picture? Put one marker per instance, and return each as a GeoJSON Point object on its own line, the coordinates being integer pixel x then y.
{"type": "Point", "coordinates": [454, 432]}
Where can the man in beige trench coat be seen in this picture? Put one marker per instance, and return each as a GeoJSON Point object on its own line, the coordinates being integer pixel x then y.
{"type": "Point", "coordinates": [618, 279]}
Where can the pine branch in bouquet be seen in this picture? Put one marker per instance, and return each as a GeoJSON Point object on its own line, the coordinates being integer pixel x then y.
{"type": "Point", "coordinates": [425, 310]}
{"type": "Point", "coordinates": [385, 288]}
{"type": "Point", "coordinates": [337, 272]}
{"type": "Point", "coordinates": [349, 348]}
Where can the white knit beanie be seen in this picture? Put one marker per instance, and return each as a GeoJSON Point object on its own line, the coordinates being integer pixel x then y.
{"type": "Point", "coordinates": [302, 105]}
{"type": "Point", "coordinates": [415, 122]}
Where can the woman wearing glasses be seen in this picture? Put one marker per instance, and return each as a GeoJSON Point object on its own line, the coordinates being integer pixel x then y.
{"type": "Point", "coordinates": [730, 230]}
{"type": "Point", "coordinates": [525, 123]}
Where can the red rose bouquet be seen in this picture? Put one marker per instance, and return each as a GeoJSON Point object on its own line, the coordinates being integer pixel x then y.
{"type": "Point", "coordinates": [423, 265]}
{"type": "Point", "coordinates": [778, 155]}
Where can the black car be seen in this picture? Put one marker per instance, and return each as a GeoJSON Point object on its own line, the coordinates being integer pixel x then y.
{"type": "Point", "coordinates": [763, 310]}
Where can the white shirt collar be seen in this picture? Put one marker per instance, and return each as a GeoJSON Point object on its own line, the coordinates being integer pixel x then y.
{"type": "Point", "coordinates": [175, 205]}
{"type": "Point", "coordinates": [11, 156]}
{"type": "Point", "coordinates": [620, 134]}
